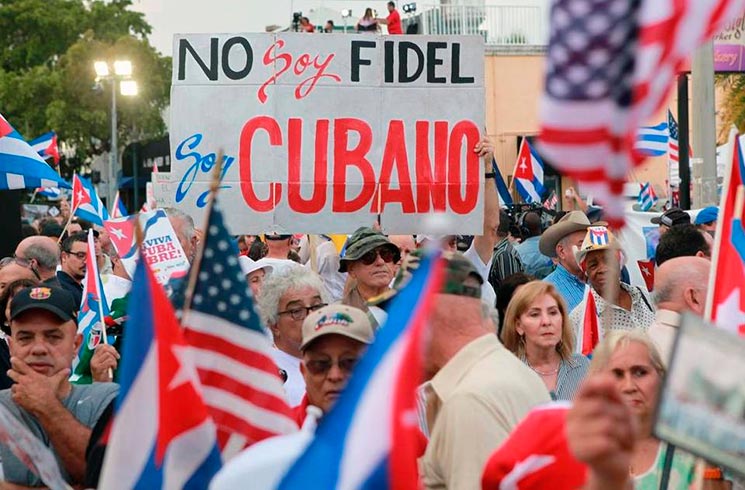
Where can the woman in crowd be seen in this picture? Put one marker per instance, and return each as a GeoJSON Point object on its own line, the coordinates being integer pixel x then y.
{"type": "Point", "coordinates": [306, 26]}
{"type": "Point", "coordinates": [367, 23]}
{"type": "Point", "coordinates": [537, 330]}
{"type": "Point", "coordinates": [255, 273]}
{"type": "Point", "coordinates": [633, 361]}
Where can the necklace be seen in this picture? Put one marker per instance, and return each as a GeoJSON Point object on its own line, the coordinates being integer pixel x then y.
{"type": "Point", "coordinates": [542, 373]}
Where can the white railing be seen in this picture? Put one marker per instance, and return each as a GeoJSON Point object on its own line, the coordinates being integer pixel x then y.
{"type": "Point", "coordinates": [500, 25]}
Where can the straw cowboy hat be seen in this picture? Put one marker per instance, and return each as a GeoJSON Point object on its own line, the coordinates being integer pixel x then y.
{"type": "Point", "coordinates": [597, 238]}
{"type": "Point", "coordinates": [568, 224]}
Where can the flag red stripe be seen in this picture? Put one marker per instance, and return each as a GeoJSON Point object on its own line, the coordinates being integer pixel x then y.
{"type": "Point", "coordinates": [246, 356]}
{"type": "Point", "coordinates": [230, 423]}
{"type": "Point", "coordinates": [251, 393]}
{"type": "Point", "coordinates": [551, 135]}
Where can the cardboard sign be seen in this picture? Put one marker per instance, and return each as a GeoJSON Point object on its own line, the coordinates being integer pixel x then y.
{"type": "Point", "coordinates": [161, 247]}
{"type": "Point", "coordinates": [30, 450]}
{"type": "Point", "coordinates": [321, 134]}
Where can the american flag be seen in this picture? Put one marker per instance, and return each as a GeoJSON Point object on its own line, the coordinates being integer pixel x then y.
{"type": "Point", "coordinates": [240, 382]}
{"type": "Point", "coordinates": [551, 202]}
{"type": "Point", "coordinates": [672, 141]}
{"type": "Point", "coordinates": [611, 64]}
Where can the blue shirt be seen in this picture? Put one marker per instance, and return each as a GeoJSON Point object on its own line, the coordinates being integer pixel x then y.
{"type": "Point", "coordinates": [534, 262]}
{"type": "Point", "coordinates": [568, 285]}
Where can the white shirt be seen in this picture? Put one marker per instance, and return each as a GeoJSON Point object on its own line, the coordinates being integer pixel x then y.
{"type": "Point", "coordinates": [328, 268]}
{"type": "Point", "coordinates": [295, 384]}
{"type": "Point", "coordinates": [487, 291]}
{"type": "Point", "coordinates": [278, 265]}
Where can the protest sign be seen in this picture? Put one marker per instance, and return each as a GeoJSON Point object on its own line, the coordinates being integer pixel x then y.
{"type": "Point", "coordinates": [30, 450]}
{"type": "Point", "coordinates": [160, 246]}
{"type": "Point", "coordinates": [321, 134]}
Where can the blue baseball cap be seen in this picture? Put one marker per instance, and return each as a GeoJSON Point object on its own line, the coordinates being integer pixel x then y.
{"type": "Point", "coordinates": [707, 215]}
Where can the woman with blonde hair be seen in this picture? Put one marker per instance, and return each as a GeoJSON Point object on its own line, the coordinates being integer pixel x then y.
{"type": "Point", "coordinates": [537, 330]}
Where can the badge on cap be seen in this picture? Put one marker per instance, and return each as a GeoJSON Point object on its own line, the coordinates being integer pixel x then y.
{"type": "Point", "coordinates": [341, 319]}
{"type": "Point", "coordinates": [598, 235]}
{"type": "Point", "coordinates": [40, 293]}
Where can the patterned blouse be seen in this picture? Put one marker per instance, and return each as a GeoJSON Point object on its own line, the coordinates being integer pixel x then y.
{"type": "Point", "coordinates": [640, 317]}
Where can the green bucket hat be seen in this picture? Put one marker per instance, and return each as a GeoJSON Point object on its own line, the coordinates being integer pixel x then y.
{"type": "Point", "coordinates": [457, 269]}
{"type": "Point", "coordinates": [362, 241]}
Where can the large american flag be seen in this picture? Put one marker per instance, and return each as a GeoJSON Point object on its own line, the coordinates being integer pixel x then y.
{"type": "Point", "coordinates": [611, 64]}
{"type": "Point", "coordinates": [240, 382]}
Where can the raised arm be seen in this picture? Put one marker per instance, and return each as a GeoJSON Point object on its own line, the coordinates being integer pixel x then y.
{"type": "Point", "coordinates": [485, 243]}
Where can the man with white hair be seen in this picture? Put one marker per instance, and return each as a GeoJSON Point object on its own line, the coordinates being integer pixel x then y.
{"type": "Point", "coordinates": [183, 225]}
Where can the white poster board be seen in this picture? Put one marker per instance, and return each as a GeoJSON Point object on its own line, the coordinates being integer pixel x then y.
{"type": "Point", "coordinates": [323, 133]}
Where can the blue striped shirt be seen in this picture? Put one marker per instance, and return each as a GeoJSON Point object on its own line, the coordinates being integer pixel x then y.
{"type": "Point", "coordinates": [571, 374]}
{"type": "Point", "coordinates": [570, 288]}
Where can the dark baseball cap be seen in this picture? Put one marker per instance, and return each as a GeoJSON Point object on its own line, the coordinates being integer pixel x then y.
{"type": "Point", "coordinates": [276, 236]}
{"type": "Point", "coordinates": [50, 298]}
{"type": "Point", "coordinates": [672, 217]}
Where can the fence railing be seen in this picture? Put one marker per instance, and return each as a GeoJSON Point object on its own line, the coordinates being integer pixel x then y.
{"type": "Point", "coordinates": [499, 25]}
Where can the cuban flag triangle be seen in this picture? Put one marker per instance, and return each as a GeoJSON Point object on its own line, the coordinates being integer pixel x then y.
{"type": "Point", "coordinates": [161, 435]}
{"type": "Point", "coordinates": [528, 174]}
{"type": "Point", "coordinates": [93, 311]}
{"type": "Point", "coordinates": [20, 166]}
{"type": "Point", "coordinates": [118, 210]}
{"type": "Point", "coordinates": [46, 146]}
{"type": "Point", "coordinates": [647, 197]}
{"type": "Point", "coordinates": [85, 202]}
{"type": "Point", "coordinates": [371, 438]}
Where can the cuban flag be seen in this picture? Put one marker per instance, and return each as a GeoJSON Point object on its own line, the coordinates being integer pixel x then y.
{"type": "Point", "coordinates": [371, 438]}
{"type": "Point", "coordinates": [118, 210]}
{"type": "Point", "coordinates": [647, 197]}
{"type": "Point", "coordinates": [51, 193]}
{"type": "Point", "coordinates": [598, 235]}
{"type": "Point", "coordinates": [20, 166]}
{"type": "Point", "coordinates": [505, 199]}
{"type": "Point", "coordinates": [161, 435]}
{"type": "Point", "coordinates": [85, 202]}
{"type": "Point", "coordinates": [122, 234]}
{"type": "Point", "coordinates": [528, 174]}
{"type": "Point", "coordinates": [46, 146]}
{"type": "Point", "coordinates": [652, 140]}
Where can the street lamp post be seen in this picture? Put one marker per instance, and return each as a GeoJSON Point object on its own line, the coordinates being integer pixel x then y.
{"type": "Point", "coordinates": [120, 77]}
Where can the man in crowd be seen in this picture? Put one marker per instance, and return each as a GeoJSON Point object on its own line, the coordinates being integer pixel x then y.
{"type": "Point", "coordinates": [279, 248]}
{"type": "Point", "coordinates": [534, 262]}
{"type": "Point", "coordinates": [329, 27]}
{"type": "Point", "coordinates": [478, 391]}
{"type": "Point", "coordinates": [706, 219]}
{"type": "Point", "coordinates": [505, 261]}
{"type": "Point", "coordinates": [405, 243]}
{"type": "Point", "coordinates": [287, 297]}
{"type": "Point", "coordinates": [183, 225]}
{"type": "Point", "coordinates": [683, 241]}
{"type": "Point", "coordinates": [671, 217]}
{"type": "Point", "coordinates": [393, 21]}
{"type": "Point", "coordinates": [42, 255]}
{"type": "Point", "coordinates": [559, 242]}
{"type": "Point", "coordinates": [369, 260]}
{"type": "Point", "coordinates": [680, 284]}
{"type": "Point", "coordinates": [327, 265]}
{"type": "Point", "coordinates": [43, 343]}
{"type": "Point", "coordinates": [13, 271]}
{"type": "Point", "coordinates": [74, 252]}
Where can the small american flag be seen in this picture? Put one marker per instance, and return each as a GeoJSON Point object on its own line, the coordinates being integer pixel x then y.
{"type": "Point", "coordinates": [551, 202]}
{"type": "Point", "coordinates": [611, 64]}
{"type": "Point", "coordinates": [240, 382]}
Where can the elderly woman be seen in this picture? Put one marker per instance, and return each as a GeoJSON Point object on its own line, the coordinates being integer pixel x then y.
{"type": "Point", "coordinates": [286, 298]}
{"type": "Point", "coordinates": [537, 330]}
{"type": "Point", "coordinates": [370, 260]}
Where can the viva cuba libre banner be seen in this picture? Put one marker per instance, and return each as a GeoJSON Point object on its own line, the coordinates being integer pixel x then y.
{"type": "Point", "coordinates": [324, 133]}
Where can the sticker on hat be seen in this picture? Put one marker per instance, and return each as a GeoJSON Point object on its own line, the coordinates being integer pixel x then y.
{"type": "Point", "coordinates": [337, 319]}
{"type": "Point", "coordinates": [40, 293]}
{"type": "Point", "coordinates": [598, 235]}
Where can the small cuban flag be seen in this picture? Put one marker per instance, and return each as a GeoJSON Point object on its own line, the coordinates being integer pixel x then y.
{"type": "Point", "coordinates": [528, 174]}
{"type": "Point", "coordinates": [85, 202]}
{"type": "Point", "coordinates": [598, 235]}
{"type": "Point", "coordinates": [46, 146]}
{"type": "Point", "coordinates": [51, 193]}
{"type": "Point", "coordinates": [647, 197]}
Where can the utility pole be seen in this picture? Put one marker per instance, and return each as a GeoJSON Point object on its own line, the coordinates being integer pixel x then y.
{"type": "Point", "coordinates": [704, 127]}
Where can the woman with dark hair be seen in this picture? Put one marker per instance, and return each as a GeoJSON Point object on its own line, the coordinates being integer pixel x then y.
{"type": "Point", "coordinates": [5, 299]}
{"type": "Point", "coordinates": [367, 23]}
{"type": "Point", "coordinates": [257, 250]}
{"type": "Point", "coordinates": [509, 286]}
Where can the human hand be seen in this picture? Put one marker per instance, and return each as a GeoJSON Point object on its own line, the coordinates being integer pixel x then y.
{"type": "Point", "coordinates": [485, 149]}
{"type": "Point", "coordinates": [600, 432]}
{"type": "Point", "coordinates": [35, 391]}
{"type": "Point", "coordinates": [105, 359]}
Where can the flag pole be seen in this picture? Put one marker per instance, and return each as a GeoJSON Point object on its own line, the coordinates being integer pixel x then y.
{"type": "Point", "coordinates": [194, 271]}
{"type": "Point", "coordinates": [104, 336]}
{"type": "Point", "coordinates": [69, 220]}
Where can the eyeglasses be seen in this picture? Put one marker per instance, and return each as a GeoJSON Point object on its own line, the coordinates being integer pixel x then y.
{"type": "Point", "coordinates": [79, 255]}
{"type": "Point", "coordinates": [300, 312]}
{"type": "Point", "coordinates": [317, 367]}
{"type": "Point", "coordinates": [27, 263]}
{"type": "Point", "coordinates": [385, 253]}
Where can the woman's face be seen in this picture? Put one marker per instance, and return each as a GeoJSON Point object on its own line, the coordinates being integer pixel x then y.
{"type": "Point", "coordinates": [541, 323]}
{"type": "Point", "coordinates": [636, 378]}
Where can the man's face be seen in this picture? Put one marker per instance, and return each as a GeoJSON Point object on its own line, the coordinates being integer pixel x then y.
{"type": "Point", "coordinates": [189, 245]}
{"type": "Point", "coordinates": [255, 281]}
{"type": "Point", "coordinates": [391, 8]}
{"type": "Point", "coordinates": [13, 272]}
{"type": "Point", "coordinates": [598, 268]}
{"type": "Point", "coordinates": [375, 274]}
{"type": "Point", "coordinates": [74, 228]}
{"type": "Point", "coordinates": [64, 208]}
{"type": "Point", "coordinates": [565, 250]}
{"type": "Point", "coordinates": [43, 341]}
{"type": "Point", "coordinates": [326, 367]}
{"type": "Point", "coordinates": [293, 308]}
{"type": "Point", "coordinates": [73, 260]}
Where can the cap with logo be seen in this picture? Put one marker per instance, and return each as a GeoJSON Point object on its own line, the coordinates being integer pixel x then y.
{"type": "Point", "coordinates": [672, 217]}
{"type": "Point", "coordinates": [337, 319]}
{"type": "Point", "coordinates": [49, 298]}
{"type": "Point", "coordinates": [364, 240]}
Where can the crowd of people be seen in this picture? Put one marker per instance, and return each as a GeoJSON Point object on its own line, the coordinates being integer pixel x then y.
{"type": "Point", "coordinates": [369, 23]}
{"type": "Point", "coordinates": [506, 336]}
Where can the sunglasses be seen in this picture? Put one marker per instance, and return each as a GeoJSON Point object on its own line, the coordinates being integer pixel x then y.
{"type": "Point", "coordinates": [318, 367]}
{"type": "Point", "coordinates": [385, 253]}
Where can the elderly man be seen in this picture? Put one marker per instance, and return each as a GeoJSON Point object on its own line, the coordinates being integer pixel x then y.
{"type": "Point", "coordinates": [43, 343]}
{"type": "Point", "coordinates": [286, 298]}
{"type": "Point", "coordinates": [370, 261]}
{"type": "Point", "coordinates": [13, 271]}
{"type": "Point", "coordinates": [478, 390]}
{"type": "Point", "coordinates": [72, 273]}
{"type": "Point", "coordinates": [559, 242]}
{"type": "Point", "coordinates": [599, 258]}
{"type": "Point", "coordinates": [278, 250]}
{"type": "Point", "coordinates": [41, 254]}
{"type": "Point", "coordinates": [680, 284]}
{"type": "Point", "coordinates": [183, 225]}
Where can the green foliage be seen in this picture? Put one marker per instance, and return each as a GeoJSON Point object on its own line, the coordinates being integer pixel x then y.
{"type": "Point", "coordinates": [47, 81]}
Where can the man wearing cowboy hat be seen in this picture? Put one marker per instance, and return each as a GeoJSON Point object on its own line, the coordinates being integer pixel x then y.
{"type": "Point", "coordinates": [558, 242]}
